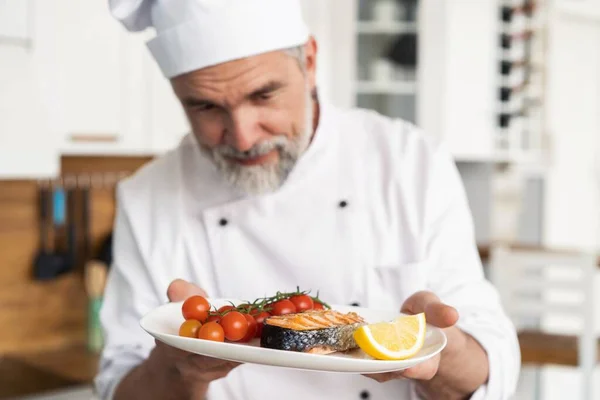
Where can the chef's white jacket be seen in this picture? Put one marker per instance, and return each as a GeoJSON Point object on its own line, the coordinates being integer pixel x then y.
{"type": "Point", "coordinates": [374, 211]}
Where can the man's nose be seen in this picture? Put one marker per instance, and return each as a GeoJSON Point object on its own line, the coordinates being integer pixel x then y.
{"type": "Point", "coordinates": [243, 129]}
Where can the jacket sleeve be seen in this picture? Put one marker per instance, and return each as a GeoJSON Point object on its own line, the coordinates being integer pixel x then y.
{"type": "Point", "coordinates": [129, 295]}
{"type": "Point", "coordinates": [456, 275]}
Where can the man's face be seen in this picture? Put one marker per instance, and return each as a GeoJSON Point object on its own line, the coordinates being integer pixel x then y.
{"type": "Point", "coordinates": [252, 117]}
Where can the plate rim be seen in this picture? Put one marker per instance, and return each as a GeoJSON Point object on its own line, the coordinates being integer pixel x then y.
{"type": "Point", "coordinates": [392, 365]}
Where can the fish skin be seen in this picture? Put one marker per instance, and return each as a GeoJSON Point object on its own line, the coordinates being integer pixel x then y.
{"type": "Point", "coordinates": [338, 337]}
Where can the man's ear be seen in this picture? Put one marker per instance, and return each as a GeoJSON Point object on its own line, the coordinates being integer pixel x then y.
{"type": "Point", "coordinates": [311, 61]}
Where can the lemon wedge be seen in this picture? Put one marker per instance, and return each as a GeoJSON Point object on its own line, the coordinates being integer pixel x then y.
{"type": "Point", "coordinates": [399, 339]}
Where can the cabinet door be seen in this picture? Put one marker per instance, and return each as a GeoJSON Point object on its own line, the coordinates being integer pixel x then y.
{"type": "Point", "coordinates": [573, 109]}
{"type": "Point", "coordinates": [101, 80]}
{"type": "Point", "coordinates": [332, 24]}
{"type": "Point", "coordinates": [457, 76]}
{"type": "Point", "coordinates": [26, 140]}
{"type": "Point", "coordinates": [27, 137]}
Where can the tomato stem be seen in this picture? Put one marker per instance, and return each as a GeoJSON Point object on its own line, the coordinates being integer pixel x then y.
{"type": "Point", "coordinates": [265, 303]}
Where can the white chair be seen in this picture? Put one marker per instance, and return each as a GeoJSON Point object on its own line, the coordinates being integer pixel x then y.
{"type": "Point", "coordinates": [539, 287]}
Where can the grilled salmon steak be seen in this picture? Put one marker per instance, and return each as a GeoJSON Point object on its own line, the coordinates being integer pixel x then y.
{"type": "Point", "coordinates": [320, 332]}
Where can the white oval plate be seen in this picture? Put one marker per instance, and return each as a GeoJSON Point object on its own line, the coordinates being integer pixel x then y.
{"type": "Point", "coordinates": [163, 324]}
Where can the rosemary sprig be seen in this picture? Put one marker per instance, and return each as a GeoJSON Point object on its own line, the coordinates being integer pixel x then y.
{"type": "Point", "coordinates": [265, 303]}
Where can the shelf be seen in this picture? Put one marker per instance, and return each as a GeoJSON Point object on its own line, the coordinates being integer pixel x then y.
{"type": "Point", "coordinates": [386, 28]}
{"type": "Point", "coordinates": [398, 88]}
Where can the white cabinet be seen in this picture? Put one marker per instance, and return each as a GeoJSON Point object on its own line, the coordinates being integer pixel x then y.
{"type": "Point", "coordinates": [116, 99]}
{"type": "Point", "coordinates": [101, 83]}
{"type": "Point", "coordinates": [435, 63]}
{"type": "Point", "coordinates": [27, 136]}
{"type": "Point", "coordinates": [458, 54]}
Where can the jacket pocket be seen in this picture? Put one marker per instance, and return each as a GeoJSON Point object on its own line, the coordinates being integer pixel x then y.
{"type": "Point", "coordinates": [388, 286]}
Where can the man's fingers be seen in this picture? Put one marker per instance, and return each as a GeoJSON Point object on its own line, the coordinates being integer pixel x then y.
{"type": "Point", "coordinates": [180, 290]}
{"type": "Point", "coordinates": [424, 371]}
{"type": "Point", "coordinates": [441, 315]}
{"type": "Point", "coordinates": [416, 303]}
{"type": "Point", "coordinates": [436, 313]}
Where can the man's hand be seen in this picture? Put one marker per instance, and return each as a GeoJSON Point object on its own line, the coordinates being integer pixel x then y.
{"type": "Point", "coordinates": [436, 314]}
{"type": "Point", "coordinates": [170, 373]}
{"type": "Point", "coordinates": [458, 370]}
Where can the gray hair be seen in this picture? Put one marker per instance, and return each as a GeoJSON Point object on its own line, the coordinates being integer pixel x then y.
{"type": "Point", "coordinates": [298, 53]}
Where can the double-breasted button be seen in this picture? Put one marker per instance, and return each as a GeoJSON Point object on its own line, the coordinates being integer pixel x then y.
{"type": "Point", "coordinates": [355, 304]}
{"type": "Point", "coordinates": [223, 222]}
{"type": "Point", "coordinates": [365, 394]}
{"type": "Point", "coordinates": [343, 204]}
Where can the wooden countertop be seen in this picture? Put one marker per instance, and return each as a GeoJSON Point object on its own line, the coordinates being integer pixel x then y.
{"type": "Point", "coordinates": [32, 373]}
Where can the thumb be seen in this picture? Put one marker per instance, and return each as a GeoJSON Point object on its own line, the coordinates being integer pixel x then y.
{"type": "Point", "coordinates": [180, 290]}
{"type": "Point", "coordinates": [436, 312]}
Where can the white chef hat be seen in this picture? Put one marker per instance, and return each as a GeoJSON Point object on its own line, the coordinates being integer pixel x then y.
{"type": "Point", "coordinates": [193, 34]}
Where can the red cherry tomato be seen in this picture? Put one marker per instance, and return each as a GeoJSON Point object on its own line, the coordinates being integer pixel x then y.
{"type": "Point", "coordinates": [252, 327]}
{"type": "Point", "coordinates": [318, 306]}
{"type": "Point", "coordinates": [195, 307]}
{"type": "Point", "coordinates": [212, 317]}
{"type": "Point", "coordinates": [235, 326]}
{"type": "Point", "coordinates": [212, 331]}
{"type": "Point", "coordinates": [260, 318]}
{"type": "Point", "coordinates": [283, 307]}
{"type": "Point", "coordinates": [225, 308]}
{"type": "Point", "coordinates": [302, 302]}
{"type": "Point", "coordinates": [190, 328]}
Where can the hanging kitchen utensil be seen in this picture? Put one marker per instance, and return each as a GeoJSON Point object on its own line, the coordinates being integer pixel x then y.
{"type": "Point", "coordinates": [86, 222]}
{"type": "Point", "coordinates": [71, 228]}
{"type": "Point", "coordinates": [106, 250]}
{"type": "Point", "coordinates": [47, 263]}
{"type": "Point", "coordinates": [95, 274]}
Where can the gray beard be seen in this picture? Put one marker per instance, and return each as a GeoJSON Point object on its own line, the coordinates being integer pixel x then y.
{"type": "Point", "coordinates": [261, 179]}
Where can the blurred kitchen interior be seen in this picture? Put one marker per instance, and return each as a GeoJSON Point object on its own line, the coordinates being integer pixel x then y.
{"type": "Point", "coordinates": [512, 86]}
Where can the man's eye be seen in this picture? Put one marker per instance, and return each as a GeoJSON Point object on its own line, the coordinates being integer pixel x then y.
{"type": "Point", "coordinates": [263, 96]}
{"type": "Point", "coordinates": [205, 107]}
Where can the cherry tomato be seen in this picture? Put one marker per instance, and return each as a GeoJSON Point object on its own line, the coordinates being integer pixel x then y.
{"type": "Point", "coordinates": [190, 328]}
{"type": "Point", "coordinates": [235, 325]}
{"type": "Point", "coordinates": [260, 318]}
{"type": "Point", "coordinates": [302, 302]}
{"type": "Point", "coordinates": [225, 308]}
{"type": "Point", "coordinates": [283, 307]}
{"type": "Point", "coordinates": [318, 306]}
{"type": "Point", "coordinates": [252, 327]}
{"type": "Point", "coordinates": [196, 307]}
{"type": "Point", "coordinates": [212, 317]}
{"type": "Point", "coordinates": [212, 331]}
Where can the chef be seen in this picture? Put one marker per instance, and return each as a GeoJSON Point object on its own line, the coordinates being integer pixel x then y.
{"type": "Point", "coordinates": [274, 189]}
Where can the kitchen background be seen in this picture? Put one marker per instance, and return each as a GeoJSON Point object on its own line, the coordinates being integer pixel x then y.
{"type": "Point", "coordinates": [512, 86]}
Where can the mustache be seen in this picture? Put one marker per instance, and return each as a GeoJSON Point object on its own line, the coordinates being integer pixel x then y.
{"type": "Point", "coordinates": [259, 149]}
